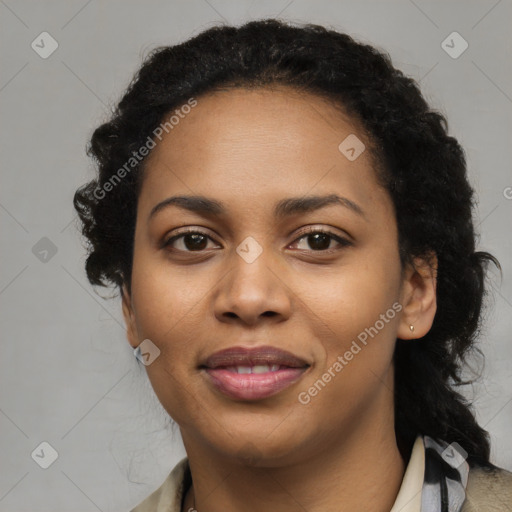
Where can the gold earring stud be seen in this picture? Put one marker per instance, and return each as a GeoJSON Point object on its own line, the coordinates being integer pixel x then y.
{"type": "Point", "coordinates": [411, 327]}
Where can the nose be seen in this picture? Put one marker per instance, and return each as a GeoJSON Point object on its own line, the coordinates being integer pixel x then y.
{"type": "Point", "coordinates": [252, 292]}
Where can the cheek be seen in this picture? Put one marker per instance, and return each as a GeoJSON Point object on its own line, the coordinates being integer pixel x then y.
{"type": "Point", "coordinates": [163, 300]}
{"type": "Point", "coordinates": [356, 368]}
{"type": "Point", "coordinates": [169, 324]}
{"type": "Point", "coordinates": [167, 313]}
{"type": "Point", "coordinates": [356, 314]}
{"type": "Point", "coordinates": [352, 297]}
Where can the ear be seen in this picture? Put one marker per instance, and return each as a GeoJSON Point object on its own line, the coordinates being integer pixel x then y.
{"type": "Point", "coordinates": [418, 298]}
{"type": "Point", "coordinates": [129, 318]}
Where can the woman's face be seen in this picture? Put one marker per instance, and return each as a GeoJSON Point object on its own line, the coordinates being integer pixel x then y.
{"type": "Point", "coordinates": [254, 276]}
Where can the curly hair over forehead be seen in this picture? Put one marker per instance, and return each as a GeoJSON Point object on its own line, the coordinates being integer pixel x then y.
{"type": "Point", "coordinates": [420, 165]}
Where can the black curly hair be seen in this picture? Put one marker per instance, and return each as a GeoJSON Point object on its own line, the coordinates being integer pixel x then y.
{"type": "Point", "coordinates": [423, 169]}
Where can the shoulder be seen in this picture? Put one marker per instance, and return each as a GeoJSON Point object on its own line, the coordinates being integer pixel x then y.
{"type": "Point", "coordinates": [488, 490]}
{"type": "Point", "coordinates": [167, 498]}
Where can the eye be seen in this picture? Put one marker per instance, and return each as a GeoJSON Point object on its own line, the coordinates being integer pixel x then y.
{"type": "Point", "coordinates": [320, 240]}
{"type": "Point", "coordinates": [189, 241]}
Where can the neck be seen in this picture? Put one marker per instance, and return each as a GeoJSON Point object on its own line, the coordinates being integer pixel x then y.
{"type": "Point", "coordinates": [359, 471]}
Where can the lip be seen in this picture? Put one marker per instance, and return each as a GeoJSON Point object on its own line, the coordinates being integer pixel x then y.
{"type": "Point", "coordinates": [242, 356]}
{"type": "Point", "coordinates": [253, 386]}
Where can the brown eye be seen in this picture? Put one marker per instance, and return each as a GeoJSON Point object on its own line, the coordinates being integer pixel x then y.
{"type": "Point", "coordinates": [191, 241]}
{"type": "Point", "coordinates": [320, 241]}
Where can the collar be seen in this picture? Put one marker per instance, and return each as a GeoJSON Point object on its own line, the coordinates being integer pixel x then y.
{"type": "Point", "coordinates": [409, 495]}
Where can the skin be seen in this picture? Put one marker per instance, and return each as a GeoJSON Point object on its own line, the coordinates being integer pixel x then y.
{"type": "Point", "coordinates": [249, 149]}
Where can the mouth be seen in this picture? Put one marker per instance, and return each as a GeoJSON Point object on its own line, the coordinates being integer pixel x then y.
{"type": "Point", "coordinates": [253, 374]}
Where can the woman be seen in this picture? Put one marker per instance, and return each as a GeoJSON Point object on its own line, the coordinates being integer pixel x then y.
{"type": "Point", "coordinates": [289, 226]}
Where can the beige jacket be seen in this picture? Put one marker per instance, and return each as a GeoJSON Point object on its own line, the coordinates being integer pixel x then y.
{"type": "Point", "coordinates": [486, 491]}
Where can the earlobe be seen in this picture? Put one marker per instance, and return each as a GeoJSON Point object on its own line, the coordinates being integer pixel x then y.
{"type": "Point", "coordinates": [129, 318]}
{"type": "Point", "coordinates": [418, 298]}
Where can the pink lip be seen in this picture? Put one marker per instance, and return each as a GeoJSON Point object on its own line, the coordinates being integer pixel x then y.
{"type": "Point", "coordinates": [253, 386]}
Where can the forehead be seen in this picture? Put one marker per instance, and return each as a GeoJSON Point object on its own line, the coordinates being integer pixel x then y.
{"type": "Point", "coordinates": [264, 143]}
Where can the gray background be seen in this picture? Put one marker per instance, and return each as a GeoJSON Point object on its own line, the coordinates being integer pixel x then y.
{"type": "Point", "coordinates": [68, 377]}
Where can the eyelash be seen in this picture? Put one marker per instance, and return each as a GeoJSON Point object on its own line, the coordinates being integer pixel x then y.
{"type": "Point", "coordinates": [309, 231]}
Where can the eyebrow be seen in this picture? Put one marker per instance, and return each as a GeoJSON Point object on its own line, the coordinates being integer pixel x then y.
{"type": "Point", "coordinates": [286, 207]}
